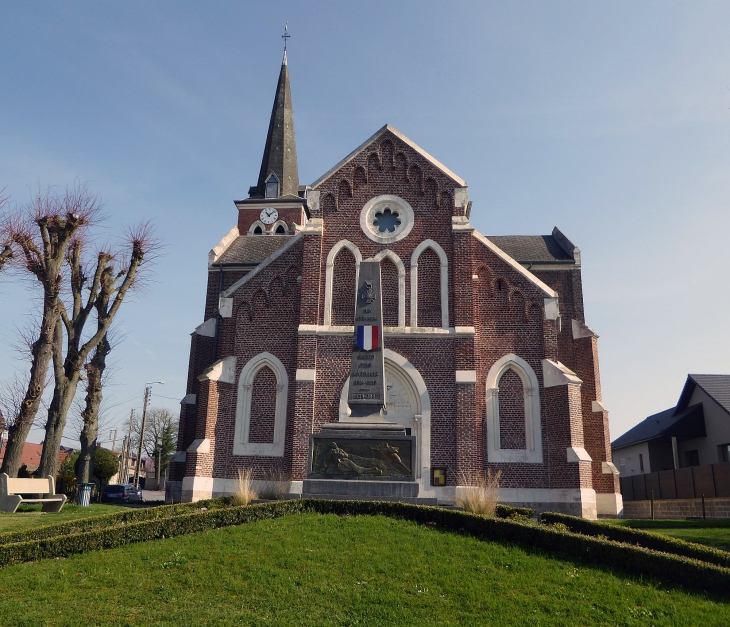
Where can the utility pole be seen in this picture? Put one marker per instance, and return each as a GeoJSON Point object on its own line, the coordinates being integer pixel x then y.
{"type": "Point", "coordinates": [141, 436]}
{"type": "Point", "coordinates": [114, 439]}
{"type": "Point", "coordinates": [147, 390]}
{"type": "Point", "coordinates": [126, 450]}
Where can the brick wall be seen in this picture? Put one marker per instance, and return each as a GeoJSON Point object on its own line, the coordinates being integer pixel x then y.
{"type": "Point", "coordinates": [429, 289]}
{"type": "Point", "coordinates": [389, 289]}
{"type": "Point", "coordinates": [343, 288]}
{"type": "Point", "coordinates": [511, 411]}
{"type": "Point", "coordinates": [263, 406]}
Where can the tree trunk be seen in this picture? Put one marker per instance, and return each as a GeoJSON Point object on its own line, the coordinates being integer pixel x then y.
{"type": "Point", "coordinates": [90, 431]}
{"type": "Point", "coordinates": [63, 396]}
{"type": "Point", "coordinates": [41, 356]}
{"type": "Point", "coordinates": [66, 382]}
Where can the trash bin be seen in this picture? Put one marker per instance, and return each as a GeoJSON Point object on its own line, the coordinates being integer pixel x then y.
{"type": "Point", "coordinates": [83, 493]}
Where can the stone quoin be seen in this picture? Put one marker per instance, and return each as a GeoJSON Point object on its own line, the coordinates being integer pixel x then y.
{"type": "Point", "coordinates": [488, 361]}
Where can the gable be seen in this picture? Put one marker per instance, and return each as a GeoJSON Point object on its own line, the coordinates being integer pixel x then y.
{"type": "Point", "coordinates": [380, 136]}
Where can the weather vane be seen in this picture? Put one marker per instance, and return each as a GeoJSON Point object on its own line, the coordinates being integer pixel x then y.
{"type": "Point", "coordinates": [286, 34]}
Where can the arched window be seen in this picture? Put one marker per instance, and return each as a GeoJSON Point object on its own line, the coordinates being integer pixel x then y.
{"type": "Point", "coordinates": [437, 286]}
{"type": "Point", "coordinates": [272, 186]}
{"type": "Point", "coordinates": [343, 288]}
{"type": "Point", "coordinates": [280, 228]}
{"type": "Point", "coordinates": [263, 387]}
{"type": "Point", "coordinates": [513, 412]}
{"type": "Point", "coordinates": [257, 228]}
{"type": "Point", "coordinates": [329, 288]}
{"type": "Point", "coordinates": [393, 276]}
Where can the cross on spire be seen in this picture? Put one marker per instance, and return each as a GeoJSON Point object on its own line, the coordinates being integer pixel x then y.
{"type": "Point", "coordinates": [286, 34]}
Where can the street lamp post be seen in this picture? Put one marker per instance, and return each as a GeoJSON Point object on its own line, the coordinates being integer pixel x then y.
{"type": "Point", "coordinates": [147, 390]}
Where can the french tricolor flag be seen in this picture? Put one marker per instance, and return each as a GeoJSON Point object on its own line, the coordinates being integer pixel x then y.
{"type": "Point", "coordinates": [368, 338]}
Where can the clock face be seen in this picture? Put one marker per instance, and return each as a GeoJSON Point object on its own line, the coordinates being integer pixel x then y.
{"type": "Point", "coordinates": [269, 216]}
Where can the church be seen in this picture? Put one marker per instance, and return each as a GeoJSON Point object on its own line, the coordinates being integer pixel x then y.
{"type": "Point", "coordinates": [488, 361]}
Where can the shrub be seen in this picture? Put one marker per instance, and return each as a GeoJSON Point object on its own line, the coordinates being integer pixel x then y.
{"type": "Point", "coordinates": [478, 493]}
{"type": "Point", "coordinates": [106, 464]}
{"type": "Point", "coordinates": [516, 513]}
{"type": "Point", "coordinates": [93, 523]}
{"type": "Point", "coordinates": [244, 489]}
{"type": "Point", "coordinates": [637, 536]}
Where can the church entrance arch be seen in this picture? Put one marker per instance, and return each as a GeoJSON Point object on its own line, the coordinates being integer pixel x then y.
{"type": "Point", "coordinates": [407, 404]}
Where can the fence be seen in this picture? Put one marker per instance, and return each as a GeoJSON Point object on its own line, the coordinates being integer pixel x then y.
{"type": "Point", "coordinates": [710, 481]}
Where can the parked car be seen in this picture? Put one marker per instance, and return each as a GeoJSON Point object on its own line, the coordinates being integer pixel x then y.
{"type": "Point", "coordinates": [124, 493]}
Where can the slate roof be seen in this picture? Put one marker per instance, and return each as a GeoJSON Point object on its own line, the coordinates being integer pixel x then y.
{"type": "Point", "coordinates": [531, 248]}
{"type": "Point", "coordinates": [280, 150]}
{"type": "Point", "coordinates": [716, 386]}
{"type": "Point", "coordinates": [689, 422]}
{"type": "Point", "coordinates": [252, 249]}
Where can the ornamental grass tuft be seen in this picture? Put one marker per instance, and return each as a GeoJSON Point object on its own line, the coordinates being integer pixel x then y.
{"type": "Point", "coordinates": [478, 493]}
{"type": "Point", "coordinates": [244, 489]}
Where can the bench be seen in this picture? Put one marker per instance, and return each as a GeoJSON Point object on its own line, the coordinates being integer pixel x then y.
{"type": "Point", "coordinates": [12, 489]}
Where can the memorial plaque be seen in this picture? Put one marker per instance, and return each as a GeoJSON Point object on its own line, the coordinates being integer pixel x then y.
{"type": "Point", "coordinates": [366, 396]}
{"type": "Point", "coordinates": [372, 458]}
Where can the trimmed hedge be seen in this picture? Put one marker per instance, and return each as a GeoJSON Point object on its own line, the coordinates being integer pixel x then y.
{"type": "Point", "coordinates": [648, 540]}
{"type": "Point", "coordinates": [507, 511]}
{"type": "Point", "coordinates": [113, 537]}
{"type": "Point", "coordinates": [687, 572]}
{"type": "Point", "coordinates": [104, 521]}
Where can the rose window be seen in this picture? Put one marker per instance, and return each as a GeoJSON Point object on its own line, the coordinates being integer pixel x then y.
{"type": "Point", "coordinates": [386, 221]}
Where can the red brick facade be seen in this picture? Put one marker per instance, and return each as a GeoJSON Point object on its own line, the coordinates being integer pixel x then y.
{"type": "Point", "coordinates": [495, 308]}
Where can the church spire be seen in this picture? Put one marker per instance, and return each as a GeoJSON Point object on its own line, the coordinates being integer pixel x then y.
{"type": "Point", "coordinates": [280, 152]}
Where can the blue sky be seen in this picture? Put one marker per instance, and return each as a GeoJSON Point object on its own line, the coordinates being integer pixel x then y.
{"type": "Point", "coordinates": [609, 120]}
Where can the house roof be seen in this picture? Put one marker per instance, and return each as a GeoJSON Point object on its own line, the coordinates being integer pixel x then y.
{"type": "Point", "coordinates": [31, 455]}
{"type": "Point", "coordinates": [716, 386]}
{"type": "Point", "coordinates": [252, 249]}
{"type": "Point", "coordinates": [685, 423]}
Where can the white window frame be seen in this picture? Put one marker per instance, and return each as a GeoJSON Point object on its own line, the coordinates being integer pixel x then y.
{"type": "Point", "coordinates": [329, 275]}
{"type": "Point", "coordinates": [252, 228]}
{"type": "Point", "coordinates": [429, 243]}
{"type": "Point", "coordinates": [241, 445]}
{"type": "Point", "coordinates": [532, 454]}
{"type": "Point", "coordinates": [381, 203]}
{"type": "Point", "coordinates": [401, 282]}
{"type": "Point", "coordinates": [269, 179]}
{"type": "Point", "coordinates": [279, 223]}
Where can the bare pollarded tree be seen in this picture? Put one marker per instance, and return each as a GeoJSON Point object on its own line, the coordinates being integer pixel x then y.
{"type": "Point", "coordinates": [98, 289]}
{"type": "Point", "coordinates": [35, 239]}
{"type": "Point", "coordinates": [6, 242]}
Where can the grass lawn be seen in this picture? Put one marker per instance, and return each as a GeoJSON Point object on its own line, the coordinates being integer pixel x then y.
{"type": "Point", "coordinates": [715, 533]}
{"type": "Point", "coordinates": [29, 516]}
{"type": "Point", "coordinates": [327, 570]}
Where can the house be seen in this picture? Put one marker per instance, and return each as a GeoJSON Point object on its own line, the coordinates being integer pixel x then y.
{"type": "Point", "coordinates": [488, 361]}
{"type": "Point", "coordinates": [31, 456]}
{"type": "Point", "coordinates": [696, 432]}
